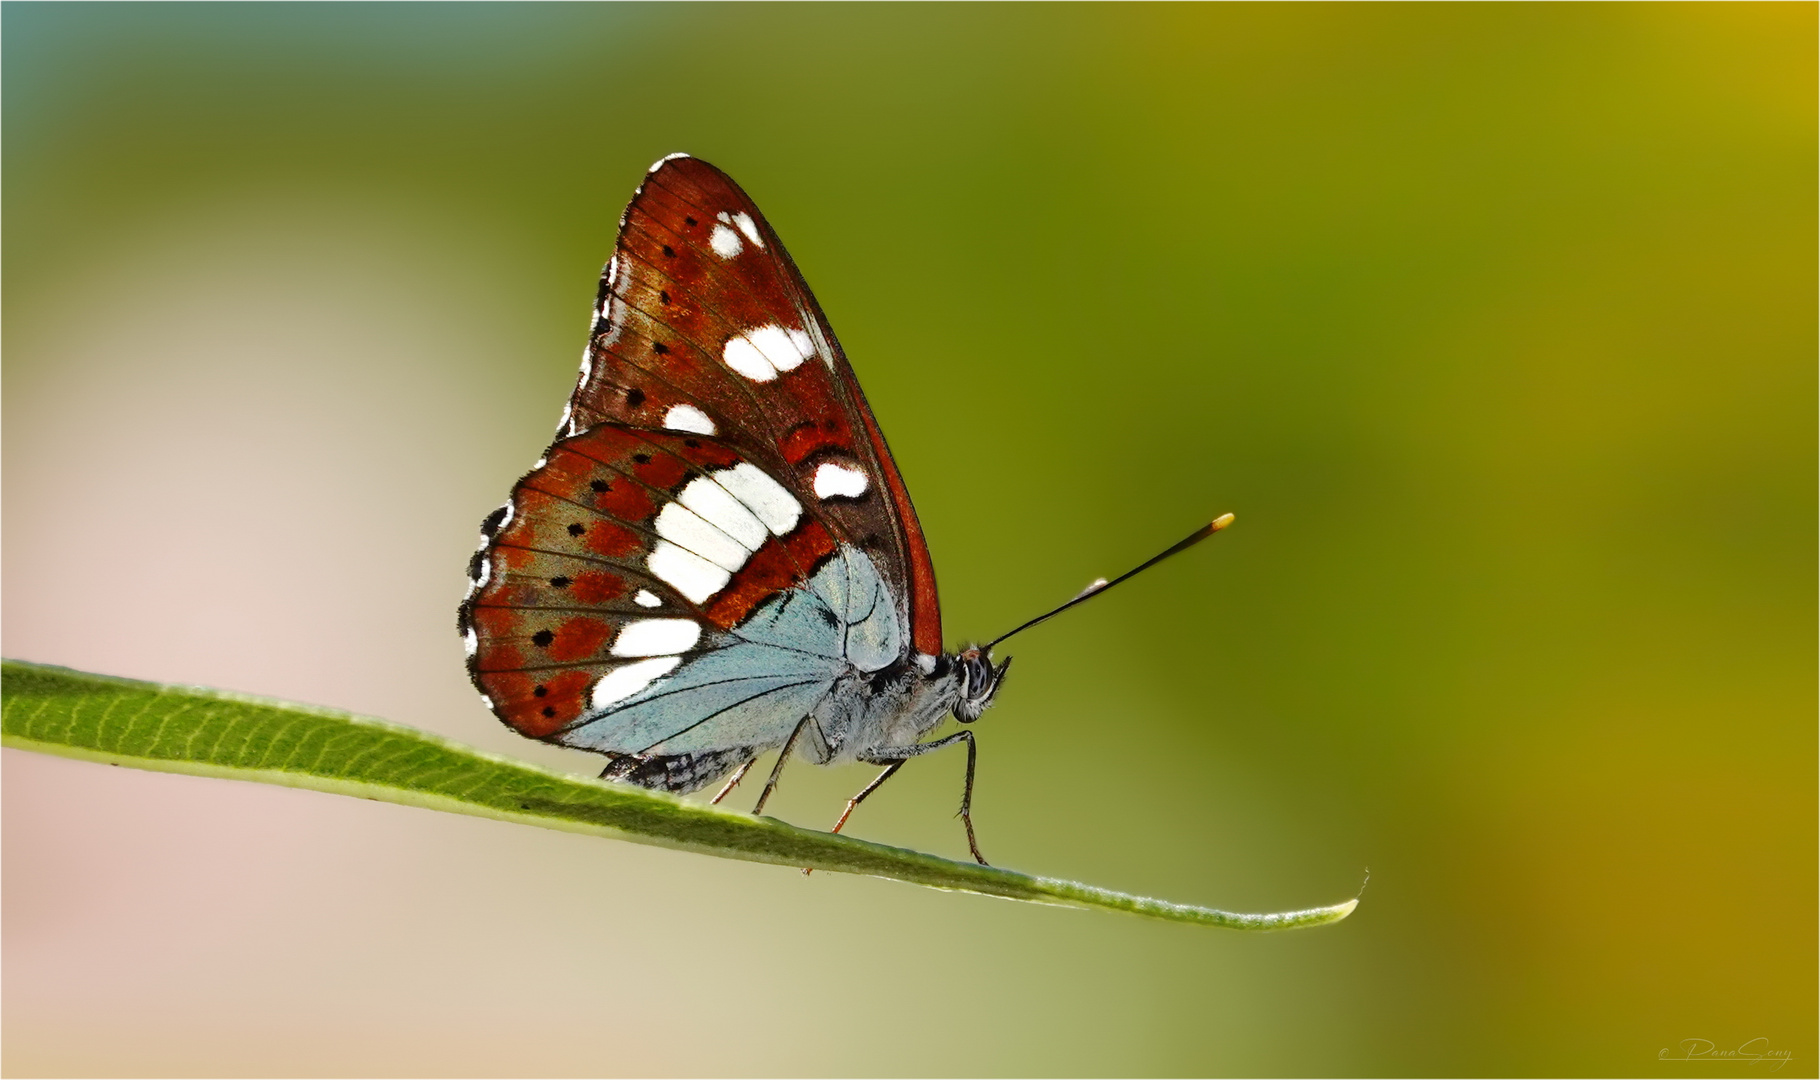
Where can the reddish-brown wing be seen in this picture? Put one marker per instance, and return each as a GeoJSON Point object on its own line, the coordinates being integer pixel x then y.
{"type": "Point", "coordinates": [704, 324]}
{"type": "Point", "coordinates": [567, 566]}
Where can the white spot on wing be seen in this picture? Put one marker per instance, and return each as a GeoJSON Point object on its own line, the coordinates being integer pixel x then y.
{"type": "Point", "coordinates": [743, 356]}
{"type": "Point", "coordinates": [657, 637]}
{"type": "Point", "coordinates": [487, 701]}
{"type": "Point", "coordinates": [688, 418]}
{"type": "Point", "coordinates": [768, 500]}
{"type": "Point", "coordinates": [832, 480]}
{"type": "Point", "coordinates": [660, 161]}
{"type": "Point", "coordinates": [713, 528]}
{"type": "Point", "coordinates": [471, 642]}
{"type": "Point", "coordinates": [805, 346]}
{"type": "Point", "coordinates": [747, 226]}
{"type": "Point", "coordinates": [761, 353]}
{"type": "Point", "coordinates": [715, 505]}
{"type": "Point", "coordinates": [779, 346]}
{"type": "Point", "coordinates": [686, 529]}
{"type": "Point", "coordinates": [647, 598]}
{"type": "Point", "coordinates": [621, 683]}
{"type": "Point", "coordinates": [687, 572]}
{"type": "Point", "coordinates": [725, 242]}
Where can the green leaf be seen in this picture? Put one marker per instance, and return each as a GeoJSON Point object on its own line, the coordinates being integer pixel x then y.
{"type": "Point", "coordinates": [203, 732]}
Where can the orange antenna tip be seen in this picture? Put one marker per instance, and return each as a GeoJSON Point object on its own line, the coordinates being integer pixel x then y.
{"type": "Point", "coordinates": [1221, 522]}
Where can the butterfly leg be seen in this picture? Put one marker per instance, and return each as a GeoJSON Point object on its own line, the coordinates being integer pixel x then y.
{"type": "Point", "coordinates": [966, 814]}
{"type": "Point", "coordinates": [905, 753]}
{"type": "Point", "coordinates": [877, 782]}
{"type": "Point", "coordinates": [738, 775]}
{"type": "Point", "coordinates": [777, 770]}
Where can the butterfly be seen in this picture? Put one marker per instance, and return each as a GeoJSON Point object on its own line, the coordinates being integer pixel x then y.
{"type": "Point", "coordinates": [717, 556]}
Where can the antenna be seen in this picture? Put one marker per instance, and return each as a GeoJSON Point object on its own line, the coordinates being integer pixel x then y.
{"type": "Point", "coordinates": [1102, 585]}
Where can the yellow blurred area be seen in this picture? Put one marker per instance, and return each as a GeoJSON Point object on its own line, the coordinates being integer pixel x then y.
{"type": "Point", "coordinates": [1494, 325]}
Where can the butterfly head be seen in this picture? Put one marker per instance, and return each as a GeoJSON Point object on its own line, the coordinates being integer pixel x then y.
{"type": "Point", "coordinates": [979, 681]}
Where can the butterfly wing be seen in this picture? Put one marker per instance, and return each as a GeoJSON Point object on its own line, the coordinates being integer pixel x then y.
{"type": "Point", "coordinates": [704, 319]}
{"type": "Point", "coordinates": [719, 531]}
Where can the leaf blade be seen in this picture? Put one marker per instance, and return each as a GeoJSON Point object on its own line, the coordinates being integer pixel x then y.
{"type": "Point", "coordinates": [205, 732]}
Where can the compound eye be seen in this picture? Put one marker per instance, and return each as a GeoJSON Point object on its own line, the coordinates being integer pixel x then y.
{"type": "Point", "coordinates": [975, 676]}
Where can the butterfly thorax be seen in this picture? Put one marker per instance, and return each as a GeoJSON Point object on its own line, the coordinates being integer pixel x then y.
{"type": "Point", "coordinates": [900, 705]}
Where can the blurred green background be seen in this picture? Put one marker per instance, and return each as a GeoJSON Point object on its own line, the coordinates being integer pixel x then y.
{"type": "Point", "coordinates": [1494, 324]}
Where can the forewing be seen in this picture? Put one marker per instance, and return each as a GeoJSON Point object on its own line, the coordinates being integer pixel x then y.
{"type": "Point", "coordinates": [703, 323]}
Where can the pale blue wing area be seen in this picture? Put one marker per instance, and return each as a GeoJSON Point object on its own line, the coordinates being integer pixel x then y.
{"type": "Point", "coordinates": [754, 690]}
{"type": "Point", "coordinates": [800, 621]}
{"type": "Point", "coordinates": [756, 720]}
{"type": "Point", "coordinates": [851, 587]}
{"type": "Point", "coordinates": [743, 695]}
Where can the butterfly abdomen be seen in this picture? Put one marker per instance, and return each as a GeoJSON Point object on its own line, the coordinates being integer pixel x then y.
{"type": "Point", "coordinates": [679, 773]}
